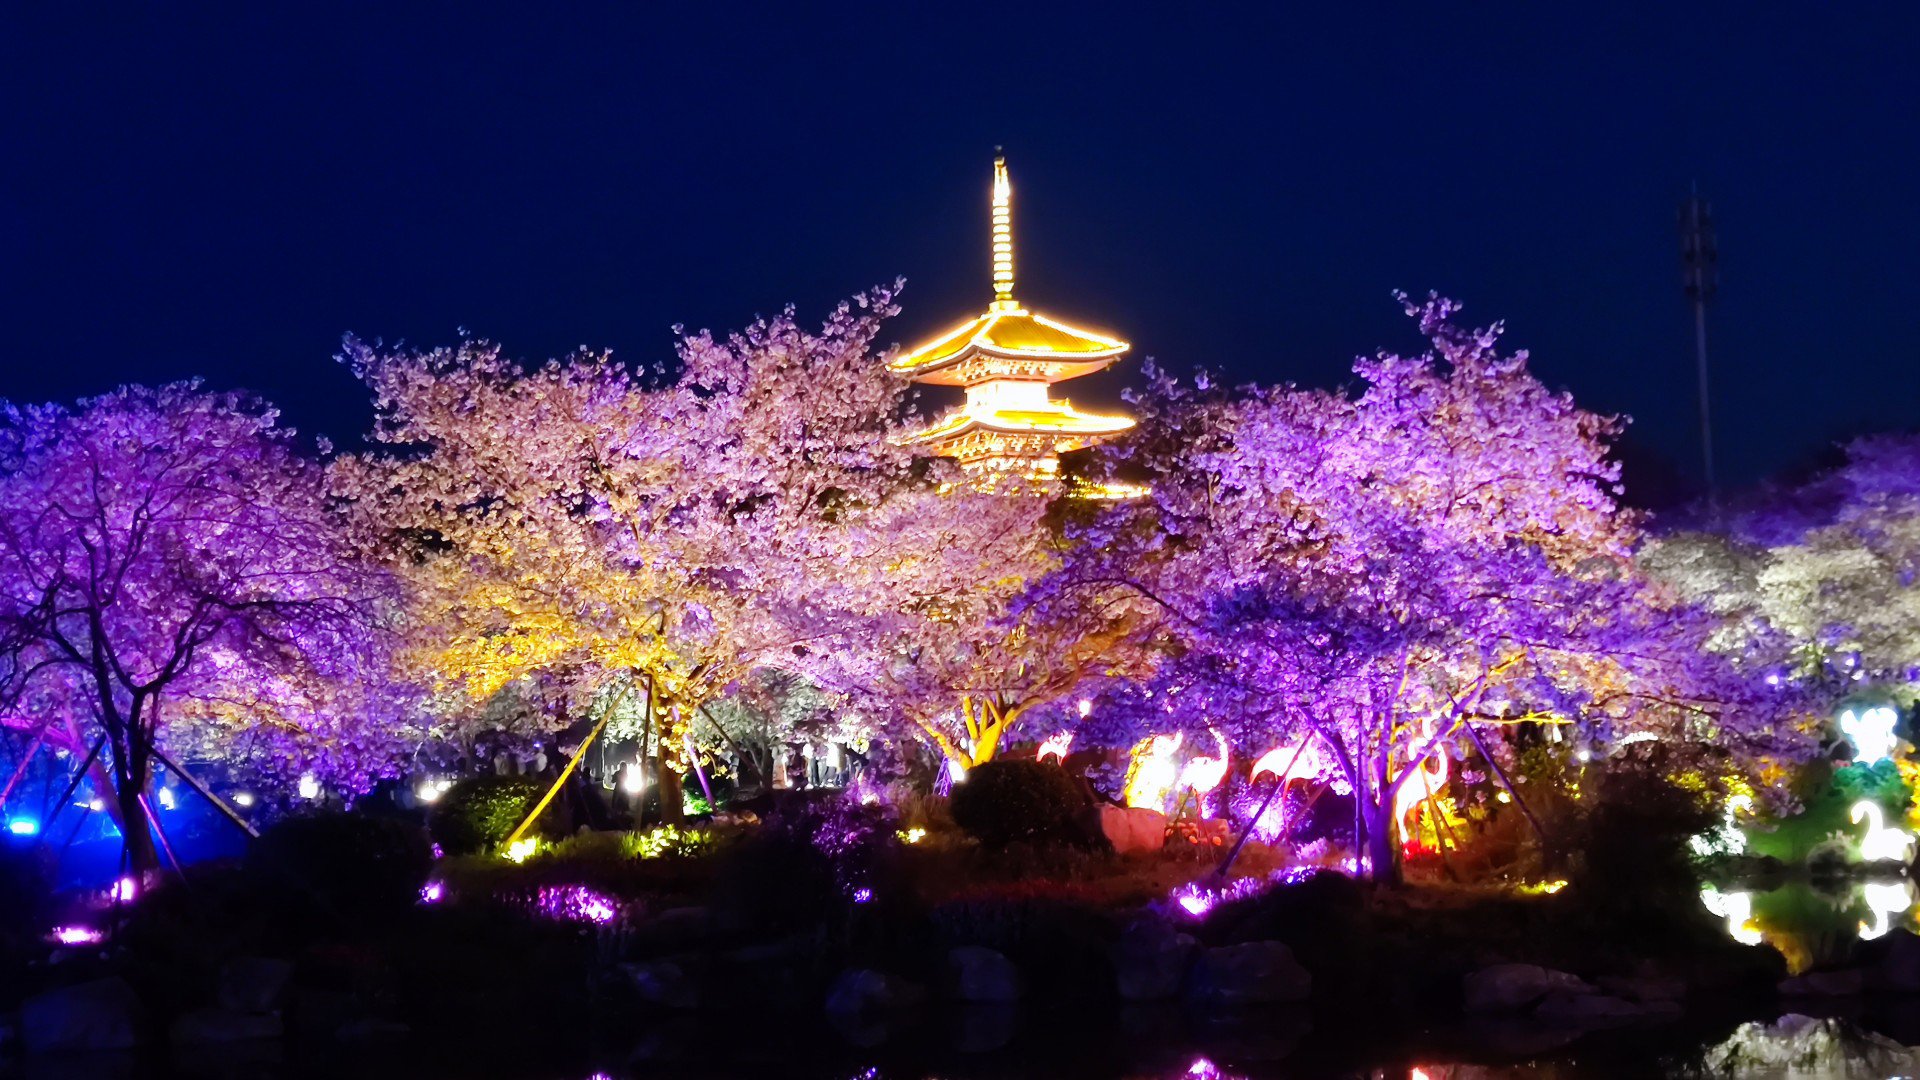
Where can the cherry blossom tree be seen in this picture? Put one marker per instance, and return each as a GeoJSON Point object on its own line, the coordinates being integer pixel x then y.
{"type": "Point", "coordinates": [667, 530]}
{"type": "Point", "coordinates": [1819, 582]}
{"type": "Point", "coordinates": [173, 575]}
{"type": "Point", "coordinates": [1400, 571]}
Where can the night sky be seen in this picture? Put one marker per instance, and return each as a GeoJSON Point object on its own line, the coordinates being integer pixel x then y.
{"type": "Point", "coordinates": [227, 194]}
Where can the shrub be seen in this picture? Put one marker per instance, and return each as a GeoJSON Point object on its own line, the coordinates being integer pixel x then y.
{"type": "Point", "coordinates": [1005, 801]}
{"type": "Point", "coordinates": [480, 811]}
{"type": "Point", "coordinates": [347, 865]}
{"type": "Point", "coordinates": [810, 858]}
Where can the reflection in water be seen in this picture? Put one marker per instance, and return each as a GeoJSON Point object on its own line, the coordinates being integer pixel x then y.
{"type": "Point", "coordinates": [1814, 923]}
{"type": "Point", "coordinates": [1735, 907]}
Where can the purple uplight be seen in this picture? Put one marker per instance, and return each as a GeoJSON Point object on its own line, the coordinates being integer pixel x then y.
{"type": "Point", "coordinates": [576, 903]}
{"type": "Point", "coordinates": [433, 892]}
{"type": "Point", "coordinates": [1196, 904]}
{"type": "Point", "coordinates": [862, 896]}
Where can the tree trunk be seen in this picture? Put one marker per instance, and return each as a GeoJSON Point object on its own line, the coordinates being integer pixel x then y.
{"type": "Point", "coordinates": [673, 809]}
{"type": "Point", "coordinates": [130, 780]}
{"type": "Point", "coordinates": [1382, 857]}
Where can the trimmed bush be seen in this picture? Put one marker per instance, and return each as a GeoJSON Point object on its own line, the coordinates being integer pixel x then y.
{"type": "Point", "coordinates": [1006, 801]}
{"type": "Point", "coordinates": [349, 865]}
{"type": "Point", "coordinates": [480, 811]}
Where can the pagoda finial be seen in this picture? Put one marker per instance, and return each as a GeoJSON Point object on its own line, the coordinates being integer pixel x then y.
{"type": "Point", "coordinates": [1002, 233]}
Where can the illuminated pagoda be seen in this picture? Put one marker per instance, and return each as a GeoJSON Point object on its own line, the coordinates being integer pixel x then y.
{"type": "Point", "coordinates": [1007, 360]}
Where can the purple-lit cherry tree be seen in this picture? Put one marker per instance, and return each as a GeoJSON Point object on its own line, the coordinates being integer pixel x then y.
{"type": "Point", "coordinates": [1400, 572]}
{"type": "Point", "coordinates": [172, 575]}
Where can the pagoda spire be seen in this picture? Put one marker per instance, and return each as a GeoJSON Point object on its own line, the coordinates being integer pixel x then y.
{"type": "Point", "coordinates": [1002, 236]}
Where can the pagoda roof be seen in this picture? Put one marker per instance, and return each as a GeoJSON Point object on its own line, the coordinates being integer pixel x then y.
{"type": "Point", "coordinates": [1058, 419]}
{"type": "Point", "coordinates": [1053, 350]}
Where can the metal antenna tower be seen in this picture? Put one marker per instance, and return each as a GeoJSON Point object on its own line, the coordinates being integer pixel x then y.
{"type": "Point", "coordinates": [1699, 267]}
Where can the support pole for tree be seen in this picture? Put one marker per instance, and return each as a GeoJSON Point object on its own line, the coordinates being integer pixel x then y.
{"type": "Point", "coordinates": [166, 846]}
{"type": "Point", "coordinates": [564, 774]}
{"type": "Point", "coordinates": [1505, 782]}
{"type": "Point", "coordinates": [74, 784]}
{"type": "Point", "coordinates": [1279, 785]}
{"type": "Point", "coordinates": [206, 792]}
{"type": "Point", "coordinates": [26, 759]}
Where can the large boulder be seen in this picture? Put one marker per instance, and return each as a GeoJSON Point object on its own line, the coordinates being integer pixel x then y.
{"type": "Point", "coordinates": [1256, 973]}
{"type": "Point", "coordinates": [863, 992]}
{"type": "Point", "coordinates": [1846, 982]}
{"type": "Point", "coordinates": [663, 983]}
{"type": "Point", "coordinates": [101, 1015]}
{"type": "Point", "coordinates": [1150, 961]}
{"type": "Point", "coordinates": [254, 984]}
{"type": "Point", "coordinates": [1513, 987]}
{"type": "Point", "coordinates": [1568, 1008]}
{"type": "Point", "coordinates": [1133, 828]}
{"type": "Point", "coordinates": [223, 1025]}
{"type": "Point", "coordinates": [979, 974]}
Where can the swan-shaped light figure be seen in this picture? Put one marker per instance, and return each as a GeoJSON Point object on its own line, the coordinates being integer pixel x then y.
{"type": "Point", "coordinates": [1881, 844]}
{"type": "Point", "coordinates": [1884, 899]}
{"type": "Point", "coordinates": [1055, 747]}
{"type": "Point", "coordinates": [1204, 773]}
{"type": "Point", "coordinates": [1433, 769]}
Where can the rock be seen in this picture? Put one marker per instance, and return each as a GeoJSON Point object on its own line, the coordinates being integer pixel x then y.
{"type": "Point", "coordinates": [1846, 982]}
{"type": "Point", "coordinates": [1133, 828]}
{"type": "Point", "coordinates": [1256, 973]}
{"type": "Point", "coordinates": [372, 1029]}
{"type": "Point", "coordinates": [1899, 966]}
{"type": "Point", "coordinates": [223, 1025]}
{"type": "Point", "coordinates": [1585, 1009]}
{"type": "Point", "coordinates": [674, 930]}
{"type": "Point", "coordinates": [982, 1029]}
{"type": "Point", "coordinates": [1512, 987]}
{"type": "Point", "coordinates": [663, 983]}
{"type": "Point", "coordinates": [982, 975]}
{"type": "Point", "coordinates": [101, 1015]}
{"type": "Point", "coordinates": [320, 1014]}
{"type": "Point", "coordinates": [1644, 989]}
{"type": "Point", "coordinates": [1150, 961]}
{"type": "Point", "coordinates": [254, 984]}
{"type": "Point", "coordinates": [863, 991]}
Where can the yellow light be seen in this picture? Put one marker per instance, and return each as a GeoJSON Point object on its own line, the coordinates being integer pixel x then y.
{"type": "Point", "coordinates": [521, 850]}
{"type": "Point", "coordinates": [1002, 233]}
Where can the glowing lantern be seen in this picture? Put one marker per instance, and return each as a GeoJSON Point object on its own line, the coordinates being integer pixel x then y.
{"type": "Point", "coordinates": [1055, 747]}
{"type": "Point", "coordinates": [77, 936]}
{"type": "Point", "coordinates": [1086, 708]}
{"type": "Point", "coordinates": [309, 787]}
{"type": "Point", "coordinates": [521, 850]}
{"type": "Point", "coordinates": [21, 826]}
{"type": "Point", "coordinates": [1871, 733]}
{"type": "Point", "coordinates": [125, 890]}
{"type": "Point", "coordinates": [168, 801]}
{"type": "Point", "coordinates": [632, 780]}
{"type": "Point", "coordinates": [243, 799]}
{"type": "Point", "coordinates": [1154, 772]}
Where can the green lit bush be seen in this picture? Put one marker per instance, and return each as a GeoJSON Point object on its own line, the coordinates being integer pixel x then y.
{"type": "Point", "coordinates": [480, 811]}
{"type": "Point", "coordinates": [1006, 801]}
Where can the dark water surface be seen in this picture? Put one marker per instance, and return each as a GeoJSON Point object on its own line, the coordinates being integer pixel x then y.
{"type": "Point", "coordinates": [1156, 1045]}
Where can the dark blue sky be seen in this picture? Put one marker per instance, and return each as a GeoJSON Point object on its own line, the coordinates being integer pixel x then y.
{"type": "Point", "coordinates": [226, 194]}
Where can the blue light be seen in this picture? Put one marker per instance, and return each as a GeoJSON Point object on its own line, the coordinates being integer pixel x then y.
{"type": "Point", "coordinates": [21, 826]}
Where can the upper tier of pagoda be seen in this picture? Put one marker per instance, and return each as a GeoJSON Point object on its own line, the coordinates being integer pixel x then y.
{"type": "Point", "coordinates": [1007, 359]}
